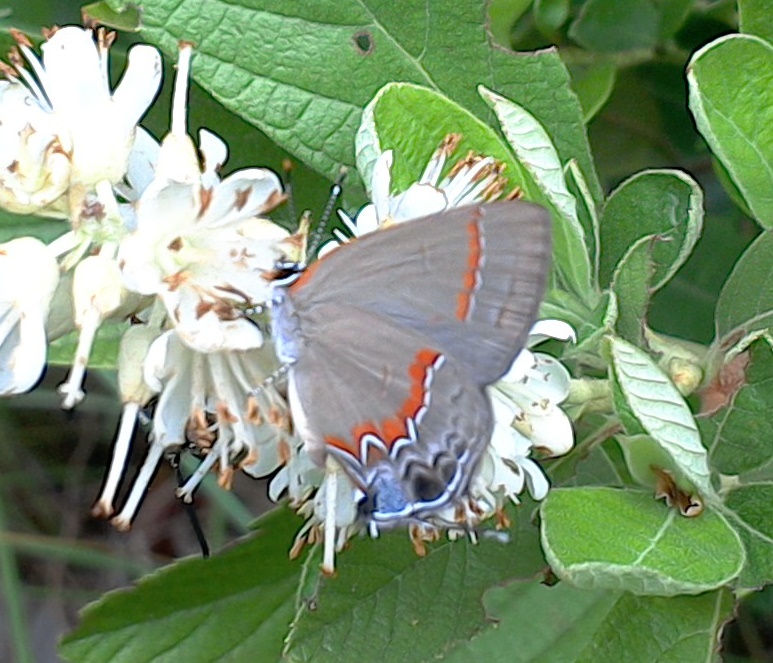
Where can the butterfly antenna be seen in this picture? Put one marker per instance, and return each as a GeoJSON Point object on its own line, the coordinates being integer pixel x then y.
{"type": "Point", "coordinates": [287, 171]}
{"type": "Point", "coordinates": [264, 388]}
{"type": "Point", "coordinates": [190, 509]}
{"type": "Point", "coordinates": [335, 194]}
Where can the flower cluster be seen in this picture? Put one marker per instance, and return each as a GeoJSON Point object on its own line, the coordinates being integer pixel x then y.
{"type": "Point", "coordinates": [151, 234]}
{"type": "Point", "coordinates": [153, 239]}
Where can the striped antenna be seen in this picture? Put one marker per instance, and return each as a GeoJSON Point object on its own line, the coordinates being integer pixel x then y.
{"type": "Point", "coordinates": [319, 231]}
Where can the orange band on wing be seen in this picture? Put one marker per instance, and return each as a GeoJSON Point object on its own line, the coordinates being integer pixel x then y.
{"type": "Point", "coordinates": [470, 276]}
{"type": "Point", "coordinates": [393, 428]}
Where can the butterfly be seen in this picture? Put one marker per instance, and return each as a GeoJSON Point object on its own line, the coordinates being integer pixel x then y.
{"type": "Point", "coordinates": [391, 340]}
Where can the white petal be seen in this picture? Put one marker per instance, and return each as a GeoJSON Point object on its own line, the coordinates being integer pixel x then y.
{"type": "Point", "coordinates": [543, 330]}
{"type": "Point", "coordinates": [434, 168]}
{"type": "Point", "coordinates": [209, 333]}
{"type": "Point", "coordinates": [552, 432]}
{"type": "Point", "coordinates": [419, 200]}
{"type": "Point", "coordinates": [154, 367]}
{"type": "Point", "coordinates": [520, 367]}
{"type": "Point", "coordinates": [97, 286]}
{"type": "Point", "coordinates": [327, 247]}
{"type": "Point", "coordinates": [549, 379]}
{"type": "Point", "coordinates": [23, 356]}
{"type": "Point", "coordinates": [278, 485]}
{"type": "Point", "coordinates": [366, 221]}
{"type": "Point", "coordinates": [349, 222]}
{"type": "Point", "coordinates": [505, 478]}
{"type": "Point", "coordinates": [73, 78]}
{"type": "Point", "coordinates": [214, 153]}
{"type": "Point", "coordinates": [244, 194]}
{"type": "Point", "coordinates": [381, 183]}
{"type": "Point", "coordinates": [142, 163]}
{"type": "Point", "coordinates": [139, 84]}
{"type": "Point", "coordinates": [535, 479]}
{"type": "Point", "coordinates": [173, 410]}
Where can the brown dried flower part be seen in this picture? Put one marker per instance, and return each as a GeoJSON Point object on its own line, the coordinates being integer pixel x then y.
{"type": "Point", "coordinates": [689, 504]}
{"type": "Point", "coordinates": [725, 384]}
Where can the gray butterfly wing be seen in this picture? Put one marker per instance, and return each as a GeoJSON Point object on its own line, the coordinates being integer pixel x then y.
{"type": "Point", "coordinates": [405, 420]}
{"type": "Point", "coordinates": [471, 279]}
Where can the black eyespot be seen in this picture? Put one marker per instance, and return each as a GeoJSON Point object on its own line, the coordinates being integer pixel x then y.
{"type": "Point", "coordinates": [427, 488]}
{"type": "Point", "coordinates": [363, 42]}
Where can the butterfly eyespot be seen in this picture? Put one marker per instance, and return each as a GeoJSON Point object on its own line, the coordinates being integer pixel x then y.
{"type": "Point", "coordinates": [427, 488]}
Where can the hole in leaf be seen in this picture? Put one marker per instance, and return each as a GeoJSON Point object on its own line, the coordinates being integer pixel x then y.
{"type": "Point", "coordinates": [364, 43]}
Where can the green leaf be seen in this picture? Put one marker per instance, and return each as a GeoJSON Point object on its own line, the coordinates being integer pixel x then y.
{"type": "Point", "coordinates": [591, 329]}
{"type": "Point", "coordinates": [593, 85]}
{"type": "Point", "coordinates": [303, 73]}
{"type": "Point", "coordinates": [104, 352]}
{"type": "Point", "coordinates": [610, 26]}
{"type": "Point", "coordinates": [534, 150]}
{"type": "Point", "coordinates": [586, 212]}
{"type": "Point", "coordinates": [694, 290]}
{"type": "Point", "coordinates": [234, 606]}
{"type": "Point", "coordinates": [514, 636]}
{"type": "Point", "coordinates": [673, 14]}
{"type": "Point", "coordinates": [102, 14]}
{"type": "Point", "coordinates": [743, 305]}
{"type": "Point", "coordinates": [631, 285]}
{"type": "Point", "coordinates": [673, 630]}
{"type": "Point", "coordinates": [737, 120]}
{"type": "Point", "coordinates": [661, 411]}
{"type": "Point", "coordinates": [641, 454]}
{"type": "Point", "coordinates": [432, 117]}
{"type": "Point", "coordinates": [738, 435]}
{"type": "Point", "coordinates": [597, 626]}
{"type": "Point", "coordinates": [600, 467]}
{"type": "Point", "coordinates": [751, 511]}
{"type": "Point", "coordinates": [606, 538]}
{"type": "Point", "coordinates": [754, 18]}
{"type": "Point", "coordinates": [667, 203]}
{"type": "Point", "coordinates": [503, 14]}
{"type": "Point", "coordinates": [18, 225]}
{"type": "Point", "coordinates": [384, 595]}
{"type": "Point", "coordinates": [550, 15]}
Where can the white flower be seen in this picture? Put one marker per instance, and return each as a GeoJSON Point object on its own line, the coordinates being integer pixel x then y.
{"type": "Point", "coordinates": [28, 277]}
{"type": "Point", "coordinates": [206, 402]}
{"type": "Point", "coordinates": [98, 293]}
{"type": "Point", "coordinates": [34, 161]}
{"type": "Point", "coordinates": [135, 394]}
{"type": "Point", "coordinates": [325, 497]}
{"type": "Point", "coordinates": [76, 132]}
{"type": "Point", "coordinates": [528, 417]}
{"type": "Point", "coordinates": [199, 243]}
{"type": "Point", "coordinates": [471, 180]}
